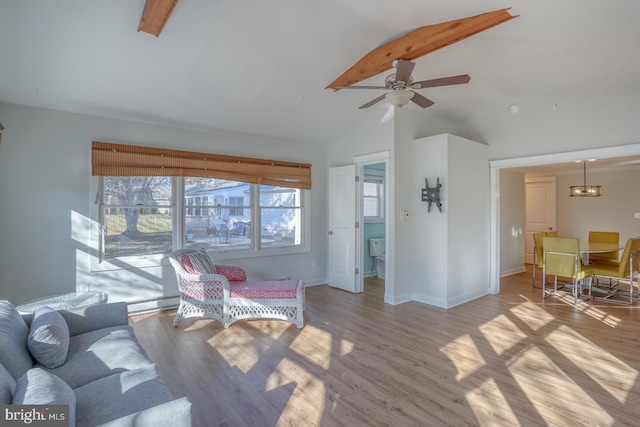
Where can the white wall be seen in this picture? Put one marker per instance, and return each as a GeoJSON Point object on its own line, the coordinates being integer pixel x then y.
{"type": "Point", "coordinates": [512, 222]}
{"type": "Point", "coordinates": [442, 257]}
{"type": "Point", "coordinates": [421, 240]}
{"type": "Point", "coordinates": [409, 126]}
{"type": "Point", "coordinates": [371, 136]}
{"type": "Point", "coordinates": [468, 220]}
{"type": "Point", "coordinates": [46, 200]}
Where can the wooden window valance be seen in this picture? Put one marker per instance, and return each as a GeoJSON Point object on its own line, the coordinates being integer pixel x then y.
{"type": "Point", "coordinates": [109, 159]}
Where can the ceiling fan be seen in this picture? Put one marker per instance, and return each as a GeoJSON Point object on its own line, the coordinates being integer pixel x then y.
{"type": "Point", "coordinates": [400, 86]}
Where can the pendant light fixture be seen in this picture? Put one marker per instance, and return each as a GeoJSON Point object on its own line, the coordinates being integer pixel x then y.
{"type": "Point", "coordinates": [585, 190]}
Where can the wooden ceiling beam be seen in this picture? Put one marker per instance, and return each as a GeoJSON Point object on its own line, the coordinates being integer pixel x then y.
{"type": "Point", "coordinates": [418, 43]}
{"type": "Point", "coordinates": [155, 15]}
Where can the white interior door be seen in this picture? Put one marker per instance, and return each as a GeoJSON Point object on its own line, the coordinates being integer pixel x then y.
{"type": "Point", "coordinates": [540, 210]}
{"type": "Point", "coordinates": [342, 228]}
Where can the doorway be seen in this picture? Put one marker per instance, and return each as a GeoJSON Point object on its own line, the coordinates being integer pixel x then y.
{"type": "Point", "coordinates": [348, 250]}
{"type": "Point", "coordinates": [373, 201]}
{"type": "Point", "coordinates": [540, 210]}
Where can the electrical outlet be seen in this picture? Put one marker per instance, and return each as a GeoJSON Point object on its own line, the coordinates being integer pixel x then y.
{"type": "Point", "coordinates": [636, 215]}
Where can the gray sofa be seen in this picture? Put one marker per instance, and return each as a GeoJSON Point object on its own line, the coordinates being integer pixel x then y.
{"type": "Point", "coordinates": [89, 359]}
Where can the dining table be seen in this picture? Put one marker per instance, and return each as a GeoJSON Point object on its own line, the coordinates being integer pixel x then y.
{"type": "Point", "coordinates": [587, 248]}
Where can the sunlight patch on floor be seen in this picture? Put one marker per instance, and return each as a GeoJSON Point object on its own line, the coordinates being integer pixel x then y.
{"type": "Point", "coordinates": [321, 341]}
{"type": "Point", "coordinates": [238, 349]}
{"type": "Point", "coordinates": [464, 355]}
{"type": "Point", "coordinates": [600, 315]}
{"type": "Point", "coordinates": [346, 347]}
{"type": "Point", "coordinates": [553, 393]}
{"type": "Point", "coordinates": [501, 333]}
{"type": "Point", "coordinates": [308, 387]}
{"type": "Point", "coordinates": [604, 368]}
{"type": "Point", "coordinates": [197, 324]}
{"type": "Point", "coordinates": [534, 316]}
{"type": "Point", "coordinates": [489, 405]}
{"type": "Point", "coordinates": [586, 306]}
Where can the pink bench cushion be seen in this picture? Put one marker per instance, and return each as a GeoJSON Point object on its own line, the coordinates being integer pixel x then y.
{"type": "Point", "coordinates": [276, 289]}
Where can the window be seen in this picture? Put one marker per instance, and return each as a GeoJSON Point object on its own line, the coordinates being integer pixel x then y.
{"type": "Point", "coordinates": [280, 216]}
{"type": "Point", "coordinates": [373, 195]}
{"type": "Point", "coordinates": [236, 201]}
{"type": "Point", "coordinates": [136, 216]}
{"type": "Point", "coordinates": [223, 224]}
{"type": "Point", "coordinates": [143, 216]}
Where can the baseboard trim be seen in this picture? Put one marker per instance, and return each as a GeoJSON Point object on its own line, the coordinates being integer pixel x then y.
{"type": "Point", "coordinates": [164, 303]}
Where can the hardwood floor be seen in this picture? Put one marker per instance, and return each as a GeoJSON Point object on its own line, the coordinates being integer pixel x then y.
{"type": "Point", "coordinates": [507, 359]}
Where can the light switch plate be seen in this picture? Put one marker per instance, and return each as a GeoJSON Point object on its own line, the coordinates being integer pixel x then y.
{"type": "Point", "coordinates": [636, 215]}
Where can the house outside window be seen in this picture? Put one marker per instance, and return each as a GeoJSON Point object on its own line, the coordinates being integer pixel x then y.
{"type": "Point", "coordinates": [142, 216]}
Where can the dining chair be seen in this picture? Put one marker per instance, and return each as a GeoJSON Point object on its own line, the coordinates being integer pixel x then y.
{"type": "Point", "coordinates": [538, 250]}
{"type": "Point", "coordinates": [561, 258]}
{"type": "Point", "coordinates": [604, 237]}
{"type": "Point", "coordinates": [625, 270]}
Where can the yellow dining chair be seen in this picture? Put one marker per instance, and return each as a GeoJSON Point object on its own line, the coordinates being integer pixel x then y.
{"type": "Point", "coordinates": [626, 269]}
{"type": "Point", "coordinates": [538, 250]}
{"type": "Point", "coordinates": [561, 258]}
{"type": "Point", "coordinates": [604, 237]}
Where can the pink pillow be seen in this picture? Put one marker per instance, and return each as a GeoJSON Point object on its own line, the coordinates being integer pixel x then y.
{"type": "Point", "coordinates": [231, 272]}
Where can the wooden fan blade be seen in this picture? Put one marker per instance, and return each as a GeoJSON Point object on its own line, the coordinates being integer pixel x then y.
{"type": "Point", "coordinates": [373, 101]}
{"type": "Point", "coordinates": [421, 100]}
{"type": "Point", "coordinates": [418, 43]}
{"type": "Point", "coordinates": [404, 70]}
{"type": "Point", "coordinates": [362, 87]}
{"type": "Point", "coordinates": [444, 81]}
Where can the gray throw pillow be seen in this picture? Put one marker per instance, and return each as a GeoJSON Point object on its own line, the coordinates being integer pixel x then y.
{"type": "Point", "coordinates": [40, 387]}
{"type": "Point", "coordinates": [49, 338]}
{"type": "Point", "coordinates": [14, 354]}
{"type": "Point", "coordinates": [7, 386]}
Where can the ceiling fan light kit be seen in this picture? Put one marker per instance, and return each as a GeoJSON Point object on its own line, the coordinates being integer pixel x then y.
{"type": "Point", "coordinates": [400, 86]}
{"type": "Point", "coordinates": [399, 98]}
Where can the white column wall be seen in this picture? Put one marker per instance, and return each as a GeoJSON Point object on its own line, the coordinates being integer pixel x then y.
{"type": "Point", "coordinates": [444, 256]}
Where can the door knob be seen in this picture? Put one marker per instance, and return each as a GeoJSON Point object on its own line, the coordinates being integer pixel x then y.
{"type": "Point", "coordinates": [330, 233]}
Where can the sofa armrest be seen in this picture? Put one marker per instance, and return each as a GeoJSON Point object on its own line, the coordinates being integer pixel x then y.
{"type": "Point", "coordinates": [176, 413]}
{"type": "Point", "coordinates": [85, 319]}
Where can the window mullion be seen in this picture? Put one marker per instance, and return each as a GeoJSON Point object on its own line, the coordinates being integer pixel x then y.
{"type": "Point", "coordinates": [177, 193]}
{"type": "Point", "coordinates": [256, 214]}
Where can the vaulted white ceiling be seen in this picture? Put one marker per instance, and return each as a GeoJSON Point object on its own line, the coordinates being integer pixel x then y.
{"type": "Point", "coordinates": [261, 67]}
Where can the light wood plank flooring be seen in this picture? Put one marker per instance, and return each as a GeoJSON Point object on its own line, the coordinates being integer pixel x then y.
{"type": "Point", "coordinates": [508, 359]}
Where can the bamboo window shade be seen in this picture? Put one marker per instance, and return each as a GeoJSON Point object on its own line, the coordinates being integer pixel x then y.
{"type": "Point", "coordinates": [109, 159]}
